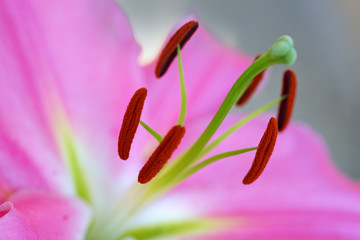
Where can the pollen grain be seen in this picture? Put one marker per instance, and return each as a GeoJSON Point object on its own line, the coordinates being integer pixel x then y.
{"type": "Point", "coordinates": [263, 153]}
{"type": "Point", "coordinates": [130, 122]}
{"type": "Point", "coordinates": [161, 154]}
{"type": "Point", "coordinates": [180, 37]}
{"type": "Point", "coordinates": [286, 106]}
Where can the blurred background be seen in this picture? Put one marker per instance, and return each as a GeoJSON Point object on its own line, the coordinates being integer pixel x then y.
{"type": "Point", "coordinates": [327, 38]}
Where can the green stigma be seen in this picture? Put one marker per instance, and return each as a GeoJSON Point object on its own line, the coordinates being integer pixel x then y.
{"type": "Point", "coordinates": [283, 50]}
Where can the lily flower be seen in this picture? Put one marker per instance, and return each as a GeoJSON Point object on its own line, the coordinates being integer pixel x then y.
{"type": "Point", "coordinates": [68, 74]}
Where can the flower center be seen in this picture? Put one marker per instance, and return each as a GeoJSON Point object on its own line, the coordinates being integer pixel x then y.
{"type": "Point", "coordinates": [159, 175]}
{"type": "Point", "coordinates": [281, 52]}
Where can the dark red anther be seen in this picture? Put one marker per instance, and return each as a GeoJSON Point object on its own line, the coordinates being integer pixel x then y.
{"type": "Point", "coordinates": [251, 89]}
{"type": "Point", "coordinates": [286, 106]}
{"type": "Point", "coordinates": [131, 122]}
{"type": "Point", "coordinates": [263, 153]}
{"type": "Point", "coordinates": [168, 53]}
{"type": "Point", "coordinates": [161, 154]}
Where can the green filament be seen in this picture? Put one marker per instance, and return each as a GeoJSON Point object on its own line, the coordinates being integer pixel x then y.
{"type": "Point", "coordinates": [239, 124]}
{"type": "Point", "coordinates": [182, 88]}
{"type": "Point", "coordinates": [157, 136]}
{"type": "Point", "coordinates": [213, 159]}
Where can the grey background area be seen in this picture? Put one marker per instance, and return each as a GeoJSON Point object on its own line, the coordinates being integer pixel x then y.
{"type": "Point", "coordinates": [327, 38]}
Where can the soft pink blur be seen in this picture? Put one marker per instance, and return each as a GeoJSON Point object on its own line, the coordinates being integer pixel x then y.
{"type": "Point", "coordinates": [79, 57]}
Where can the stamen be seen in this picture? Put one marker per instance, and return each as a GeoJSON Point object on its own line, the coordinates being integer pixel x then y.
{"type": "Point", "coordinates": [287, 105]}
{"type": "Point", "coordinates": [251, 89]}
{"type": "Point", "coordinates": [263, 154]}
{"type": "Point", "coordinates": [161, 154]}
{"type": "Point", "coordinates": [168, 54]}
{"type": "Point", "coordinates": [131, 122]}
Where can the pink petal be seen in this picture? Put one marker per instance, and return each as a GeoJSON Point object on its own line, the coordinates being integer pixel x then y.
{"type": "Point", "coordinates": [299, 194]}
{"type": "Point", "coordinates": [35, 215]}
{"type": "Point", "coordinates": [93, 61]}
{"type": "Point", "coordinates": [28, 157]}
{"type": "Point", "coordinates": [19, 170]}
{"type": "Point", "coordinates": [13, 224]}
{"type": "Point", "coordinates": [210, 70]}
{"type": "Point", "coordinates": [73, 56]}
{"type": "Point", "coordinates": [297, 225]}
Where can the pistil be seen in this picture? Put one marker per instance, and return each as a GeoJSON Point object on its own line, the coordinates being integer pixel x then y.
{"type": "Point", "coordinates": [253, 86]}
